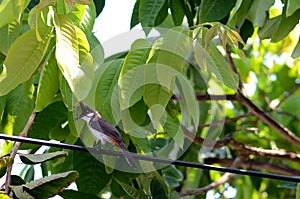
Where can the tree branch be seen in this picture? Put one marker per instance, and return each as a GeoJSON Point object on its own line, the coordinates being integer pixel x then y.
{"type": "Point", "coordinates": [266, 118]}
{"type": "Point", "coordinates": [212, 185]}
{"type": "Point", "coordinates": [16, 147]}
{"type": "Point", "coordinates": [241, 148]}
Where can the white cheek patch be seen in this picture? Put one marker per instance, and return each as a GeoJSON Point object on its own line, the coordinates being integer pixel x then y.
{"type": "Point", "coordinates": [90, 114]}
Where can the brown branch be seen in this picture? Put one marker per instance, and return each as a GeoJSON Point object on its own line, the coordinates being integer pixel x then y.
{"type": "Point", "coordinates": [227, 120]}
{"type": "Point", "coordinates": [212, 185]}
{"type": "Point", "coordinates": [267, 119]}
{"type": "Point", "coordinates": [243, 149]}
{"type": "Point", "coordinates": [233, 66]}
{"type": "Point", "coordinates": [258, 112]}
{"type": "Point", "coordinates": [16, 147]}
{"type": "Point", "coordinates": [257, 165]}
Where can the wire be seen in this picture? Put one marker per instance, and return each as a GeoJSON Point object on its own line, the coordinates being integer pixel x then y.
{"type": "Point", "coordinates": [152, 159]}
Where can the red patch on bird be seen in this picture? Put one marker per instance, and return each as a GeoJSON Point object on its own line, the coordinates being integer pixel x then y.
{"type": "Point", "coordinates": [115, 142]}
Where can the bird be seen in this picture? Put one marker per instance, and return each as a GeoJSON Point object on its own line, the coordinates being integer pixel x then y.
{"type": "Point", "coordinates": [104, 131]}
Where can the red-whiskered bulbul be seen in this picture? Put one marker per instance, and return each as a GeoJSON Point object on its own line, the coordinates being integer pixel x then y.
{"type": "Point", "coordinates": [104, 131]}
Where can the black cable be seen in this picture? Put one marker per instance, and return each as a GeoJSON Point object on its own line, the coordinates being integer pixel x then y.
{"type": "Point", "coordinates": [153, 159]}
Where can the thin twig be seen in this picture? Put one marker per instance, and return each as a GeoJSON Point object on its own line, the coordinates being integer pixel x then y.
{"type": "Point", "coordinates": [266, 118]}
{"type": "Point", "coordinates": [287, 95]}
{"type": "Point", "coordinates": [212, 185]}
{"type": "Point", "coordinates": [241, 148]}
{"type": "Point", "coordinates": [227, 120]}
{"type": "Point", "coordinates": [233, 66]}
{"type": "Point", "coordinates": [16, 148]}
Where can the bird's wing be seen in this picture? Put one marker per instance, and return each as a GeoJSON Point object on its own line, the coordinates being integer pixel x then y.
{"type": "Point", "coordinates": [107, 129]}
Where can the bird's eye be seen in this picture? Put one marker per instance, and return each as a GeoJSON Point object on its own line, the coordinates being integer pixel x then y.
{"type": "Point", "coordinates": [90, 114]}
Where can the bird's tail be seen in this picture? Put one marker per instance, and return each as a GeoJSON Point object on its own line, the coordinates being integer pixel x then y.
{"type": "Point", "coordinates": [128, 156]}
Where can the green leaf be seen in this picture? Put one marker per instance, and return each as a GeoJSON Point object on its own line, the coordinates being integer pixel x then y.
{"type": "Point", "coordinates": [83, 16]}
{"type": "Point", "coordinates": [157, 190]}
{"type": "Point", "coordinates": [269, 28]}
{"type": "Point", "coordinates": [177, 12]}
{"type": "Point", "coordinates": [258, 12]}
{"type": "Point", "coordinates": [229, 78]}
{"type": "Point", "coordinates": [71, 194]}
{"type": "Point", "coordinates": [286, 25]}
{"type": "Point", "coordinates": [19, 106]}
{"type": "Point", "coordinates": [131, 191]}
{"type": "Point", "coordinates": [148, 11]}
{"type": "Point", "coordinates": [48, 84]}
{"type": "Point", "coordinates": [92, 176]}
{"type": "Point", "coordinates": [18, 8]}
{"type": "Point", "coordinates": [66, 92]}
{"type": "Point", "coordinates": [45, 187]}
{"type": "Point", "coordinates": [298, 191]}
{"type": "Point", "coordinates": [174, 130]}
{"type": "Point", "coordinates": [6, 12]}
{"type": "Point", "coordinates": [162, 14]}
{"type": "Point", "coordinates": [292, 6]}
{"type": "Point", "coordinates": [156, 98]}
{"type": "Point", "coordinates": [173, 172]}
{"type": "Point", "coordinates": [8, 34]}
{"type": "Point", "coordinates": [214, 10]}
{"type": "Point", "coordinates": [23, 58]}
{"type": "Point", "coordinates": [39, 158]}
{"type": "Point", "coordinates": [239, 13]}
{"type": "Point", "coordinates": [4, 163]}
{"type": "Point", "coordinates": [67, 55]}
{"type": "Point", "coordinates": [43, 124]}
{"type": "Point", "coordinates": [135, 15]}
{"type": "Point", "coordinates": [131, 76]}
{"type": "Point", "coordinates": [174, 49]}
{"type": "Point", "coordinates": [107, 84]}
{"type": "Point", "coordinates": [99, 4]}
{"type": "Point", "coordinates": [296, 51]}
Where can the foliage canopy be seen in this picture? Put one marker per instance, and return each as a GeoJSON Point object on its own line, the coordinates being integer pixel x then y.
{"type": "Point", "coordinates": [206, 71]}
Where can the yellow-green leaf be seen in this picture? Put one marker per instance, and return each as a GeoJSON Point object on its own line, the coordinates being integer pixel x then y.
{"type": "Point", "coordinates": [48, 84]}
{"type": "Point", "coordinates": [23, 58]}
{"type": "Point", "coordinates": [67, 55]}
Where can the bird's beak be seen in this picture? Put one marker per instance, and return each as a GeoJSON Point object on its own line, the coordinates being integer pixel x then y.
{"type": "Point", "coordinates": [82, 106]}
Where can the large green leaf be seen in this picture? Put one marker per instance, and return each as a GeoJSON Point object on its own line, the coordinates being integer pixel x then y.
{"type": "Point", "coordinates": [131, 76]}
{"type": "Point", "coordinates": [215, 10]}
{"type": "Point", "coordinates": [269, 28]}
{"type": "Point", "coordinates": [148, 11]}
{"type": "Point", "coordinates": [48, 85]}
{"type": "Point", "coordinates": [23, 58]}
{"type": "Point", "coordinates": [292, 6]}
{"type": "Point", "coordinates": [239, 13]}
{"type": "Point", "coordinates": [286, 25]}
{"type": "Point", "coordinates": [177, 12]}
{"type": "Point", "coordinates": [43, 123]}
{"type": "Point", "coordinates": [92, 176]}
{"type": "Point", "coordinates": [6, 12]}
{"type": "Point", "coordinates": [107, 84]}
{"type": "Point", "coordinates": [135, 15]}
{"type": "Point", "coordinates": [67, 55]}
{"type": "Point", "coordinates": [8, 34]}
{"type": "Point", "coordinates": [131, 191]}
{"type": "Point", "coordinates": [18, 7]}
{"type": "Point", "coordinates": [83, 16]}
{"type": "Point", "coordinates": [258, 12]}
{"type": "Point", "coordinates": [19, 106]}
{"type": "Point", "coordinates": [39, 158]}
{"type": "Point", "coordinates": [45, 187]}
